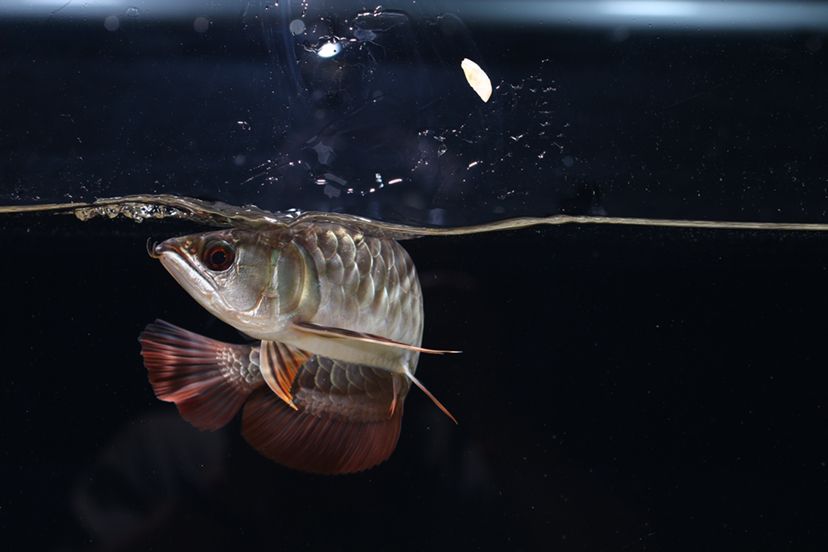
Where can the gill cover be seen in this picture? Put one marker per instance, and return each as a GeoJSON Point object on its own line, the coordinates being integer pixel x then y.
{"type": "Point", "coordinates": [293, 282]}
{"type": "Point", "coordinates": [254, 281]}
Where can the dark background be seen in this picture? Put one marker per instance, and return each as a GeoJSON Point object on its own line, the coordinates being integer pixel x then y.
{"type": "Point", "coordinates": [620, 388]}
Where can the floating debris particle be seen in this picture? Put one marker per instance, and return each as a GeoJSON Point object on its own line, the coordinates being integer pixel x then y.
{"type": "Point", "coordinates": [477, 79]}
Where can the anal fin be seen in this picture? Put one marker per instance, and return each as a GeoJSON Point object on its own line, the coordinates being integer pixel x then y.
{"type": "Point", "coordinates": [324, 444]}
{"type": "Point", "coordinates": [279, 364]}
{"type": "Point", "coordinates": [341, 333]}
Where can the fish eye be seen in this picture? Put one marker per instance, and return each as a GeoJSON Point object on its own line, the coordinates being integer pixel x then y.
{"type": "Point", "coordinates": [218, 256]}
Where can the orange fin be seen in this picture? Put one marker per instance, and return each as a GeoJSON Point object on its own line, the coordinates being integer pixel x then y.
{"type": "Point", "coordinates": [395, 394]}
{"type": "Point", "coordinates": [206, 379]}
{"type": "Point", "coordinates": [341, 333]}
{"type": "Point", "coordinates": [279, 364]}
{"type": "Point", "coordinates": [432, 397]}
{"type": "Point", "coordinates": [317, 443]}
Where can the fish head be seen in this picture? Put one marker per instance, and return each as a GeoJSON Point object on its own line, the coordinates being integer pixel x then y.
{"type": "Point", "coordinates": [256, 282]}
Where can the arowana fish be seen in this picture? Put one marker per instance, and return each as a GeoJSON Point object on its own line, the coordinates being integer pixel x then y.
{"type": "Point", "coordinates": [339, 320]}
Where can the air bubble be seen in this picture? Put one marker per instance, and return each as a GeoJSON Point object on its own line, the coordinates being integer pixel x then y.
{"type": "Point", "coordinates": [297, 27]}
{"type": "Point", "coordinates": [201, 24]}
{"type": "Point", "coordinates": [112, 23]}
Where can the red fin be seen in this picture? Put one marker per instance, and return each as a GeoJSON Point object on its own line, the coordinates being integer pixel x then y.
{"type": "Point", "coordinates": [206, 379]}
{"type": "Point", "coordinates": [341, 333]}
{"type": "Point", "coordinates": [317, 444]}
{"type": "Point", "coordinates": [279, 364]}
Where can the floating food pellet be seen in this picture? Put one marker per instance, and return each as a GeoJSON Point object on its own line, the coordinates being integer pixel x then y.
{"type": "Point", "coordinates": [477, 79]}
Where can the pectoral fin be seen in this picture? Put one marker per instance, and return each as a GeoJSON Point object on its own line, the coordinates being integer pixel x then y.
{"type": "Point", "coordinates": [341, 333]}
{"type": "Point", "coordinates": [279, 364]}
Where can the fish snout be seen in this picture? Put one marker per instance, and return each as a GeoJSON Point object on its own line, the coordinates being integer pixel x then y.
{"type": "Point", "coordinates": [156, 249]}
{"type": "Point", "coordinates": [152, 249]}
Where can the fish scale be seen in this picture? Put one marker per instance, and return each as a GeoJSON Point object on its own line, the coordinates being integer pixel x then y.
{"type": "Point", "coordinates": [382, 296]}
{"type": "Point", "coordinates": [319, 379]}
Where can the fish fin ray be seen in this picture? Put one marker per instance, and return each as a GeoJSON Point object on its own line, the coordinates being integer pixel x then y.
{"type": "Point", "coordinates": [395, 394]}
{"type": "Point", "coordinates": [317, 443]}
{"type": "Point", "coordinates": [341, 333]}
{"type": "Point", "coordinates": [279, 364]}
{"type": "Point", "coordinates": [434, 399]}
{"type": "Point", "coordinates": [192, 371]}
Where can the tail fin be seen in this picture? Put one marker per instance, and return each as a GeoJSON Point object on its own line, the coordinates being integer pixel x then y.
{"type": "Point", "coordinates": [206, 379]}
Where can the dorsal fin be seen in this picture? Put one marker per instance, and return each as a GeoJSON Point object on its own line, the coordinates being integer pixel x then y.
{"type": "Point", "coordinates": [341, 333]}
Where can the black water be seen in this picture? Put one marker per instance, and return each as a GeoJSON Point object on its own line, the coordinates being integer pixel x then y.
{"type": "Point", "coordinates": [620, 388]}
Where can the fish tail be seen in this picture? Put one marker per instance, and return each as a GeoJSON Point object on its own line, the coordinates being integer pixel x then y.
{"type": "Point", "coordinates": [208, 380]}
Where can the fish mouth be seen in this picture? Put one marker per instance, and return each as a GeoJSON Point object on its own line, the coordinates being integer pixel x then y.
{"type": "Point", "coordinates": [182, 268]}
{"type": "Point", "coordinates": [154, 248]}
{"type": "Point", "coordinates": [157, 249]}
